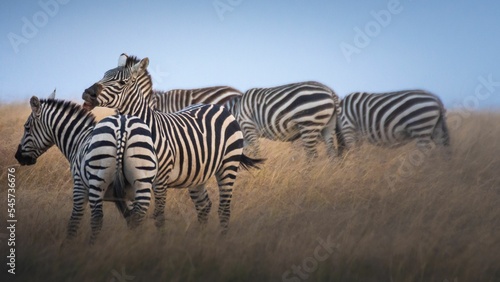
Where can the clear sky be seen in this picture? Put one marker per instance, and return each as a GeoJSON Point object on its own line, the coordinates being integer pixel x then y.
{"type": "Point", "coordinates": [451, 48]}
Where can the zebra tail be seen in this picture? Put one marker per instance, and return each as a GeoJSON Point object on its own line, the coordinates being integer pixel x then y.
{"type": "Point", "coordinates": [247, 162]}
{"type": "Point", "coordinates": [119, 182]}
{"type": "Point", "coordinates": [119, 192]}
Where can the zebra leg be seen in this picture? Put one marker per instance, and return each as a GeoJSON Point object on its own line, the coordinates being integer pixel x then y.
{"type": "Point", "coordinates": [348, 139]}
{"type": "Point", "coordinates": [251, 138]}
{"type": "Point", "coordinates": [225, 194]}
{"type": "Point", "coordinates": [160, 193]}
{"type": "Point", "coordinates": [225, 180]}
{"type": "Point", "coordinates": [309, 137]}
{"type": "Point", "coordinates": [440, 135]}
{"type": "Point", "coordinates": [329, 135]}
{"type": "Point", "coordinates": [80, 198]}
{"type": "Point", "coordinates": [141, 204]}
{"type": "Point", "coordinates": [201, 201]}
{"type": "Point", "coordinates": [96, 195]}
{"type": "Point", "coordinates": [341, 143]}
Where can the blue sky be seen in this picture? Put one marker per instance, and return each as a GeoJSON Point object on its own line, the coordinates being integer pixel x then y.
{"type": "Point", "coordinates": [451, 48]}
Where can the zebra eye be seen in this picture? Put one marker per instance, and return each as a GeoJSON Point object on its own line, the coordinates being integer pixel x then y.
{"type": "Point", "coordinates": [122, 82]}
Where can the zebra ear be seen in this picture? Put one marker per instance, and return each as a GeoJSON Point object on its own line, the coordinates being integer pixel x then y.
{"type": "Point", "coordinates": [140, 66]}
{"type": "Point", "coordinates": [52, 96]}
{"type": "Point", "coordinates": [35, 106]}
{"type": "Point", "coordinates": [122, 60]}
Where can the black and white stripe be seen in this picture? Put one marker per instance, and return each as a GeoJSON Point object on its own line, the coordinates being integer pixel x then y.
{"type": "Point", "coordinates": [178, 99]}
{"type": "Point", "coordinates": [192, 145]}
{"type": "Point", "coordinates": [392, 119]}
{"type": "Point", "coordinates": [113, 160]}
{"type": "Point", "coordinates": [305, 111]}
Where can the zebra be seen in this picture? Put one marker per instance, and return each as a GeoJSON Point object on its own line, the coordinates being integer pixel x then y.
{"type": "Point", "coordinates": [192, 145]}
{"type": "Point", "coordinates": [178, 99]}
{"type": "Point", "coordinates": [112, 160]}
{"type": "Point", "coordinates": [305, 110]}
{"type": "Point", "coordinates": [392, 119]}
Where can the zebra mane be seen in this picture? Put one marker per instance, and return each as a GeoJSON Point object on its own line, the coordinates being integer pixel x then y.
{"type": "Point", "coordinates": [68, 106]}
{"type": "Point", "coordinates": [131, 60]}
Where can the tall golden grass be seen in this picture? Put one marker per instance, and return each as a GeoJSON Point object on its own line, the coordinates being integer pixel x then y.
{"type": "Point", "coordinates": [386, 214]}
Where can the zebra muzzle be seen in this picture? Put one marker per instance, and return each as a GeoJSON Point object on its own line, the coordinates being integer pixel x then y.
{"type": "Point", "coordinates": [90, 96]}
{"type": "Point", "coordinates": [22, 159]}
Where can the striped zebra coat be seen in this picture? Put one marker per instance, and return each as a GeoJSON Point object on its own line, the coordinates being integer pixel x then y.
{"type": "Point", "coordinates": [113, 160]}
{"type": "Point", "coordinates": [192, 145]}
{"type": "Point", "coordinates": [305, 111]}
{"type": "Point", "coordinates": [178, 99]}
{"type": "Point", "coordinates": [392, 119]}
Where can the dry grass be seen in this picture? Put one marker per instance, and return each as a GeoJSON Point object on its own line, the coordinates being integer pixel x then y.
{"type": "Point", "coordinates": [438, 220]}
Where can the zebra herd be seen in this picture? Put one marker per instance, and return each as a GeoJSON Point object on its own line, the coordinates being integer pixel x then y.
{"type": "Point", "coordinates": [182, 138]}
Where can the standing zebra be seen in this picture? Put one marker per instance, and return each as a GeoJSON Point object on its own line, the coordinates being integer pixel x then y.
{"type": "Point", "coordinates": [178, 99]}
{"type": "Point", "coordinates": [392, 119]}
{"type": "Point", "coordinates": [118, 151]}
{"type": "Point", "coordinates": [305, 110]}
{"type": "Point", "coordinates": [192, 145]}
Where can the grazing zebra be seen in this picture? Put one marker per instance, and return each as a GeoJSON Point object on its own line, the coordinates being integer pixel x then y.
{"type": "Point", "coordinates": [178, 99]}
{"type": "Point", "coordinates": [392, 119]}
{"type": "Point", "coordinates": [305, 110]}
{"type": "Point", "coordinates": [192, 145]}
{"type": "Point", "coordinates": [118, 151]}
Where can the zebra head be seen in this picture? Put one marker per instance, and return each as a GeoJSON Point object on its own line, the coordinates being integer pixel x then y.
{"type": "Point", "coordinates": [109, 91]}
{"type": "Point", "coordinates": [35, 140]}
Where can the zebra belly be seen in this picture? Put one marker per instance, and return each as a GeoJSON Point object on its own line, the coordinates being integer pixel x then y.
{"type": "Point", "coordinates": [396, 139]}
{"type": "Point", "coordinates": [283, 133]}
{"type": "Point", "coordinates": [187, 174]}
{"type": "Point", "coordinates": [280, 136]}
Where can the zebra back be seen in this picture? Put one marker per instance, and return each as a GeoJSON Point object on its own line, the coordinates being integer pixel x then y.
{"type": "Point", "coordinates": [390, 118]}
{"type": "Point", "coordinates": [303, 110]}
{"type": "Point", "coordinates": [272, 106]}
{"type": "Point", "coordinates": [177, 99]}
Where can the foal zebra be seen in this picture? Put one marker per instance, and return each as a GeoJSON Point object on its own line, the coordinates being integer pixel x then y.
{"type": "Point", "coordinates": [113, 160]}
{"type": "Point", "coordinates": [178, 99]}
{"type": "Point", "coordinates": [305, 110]}
{"type": "Point", "coordinates": [392, 119]}
{"type": "Point", "coordinates": [192, 145]}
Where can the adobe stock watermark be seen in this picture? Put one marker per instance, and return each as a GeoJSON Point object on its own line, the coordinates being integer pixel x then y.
{"type": "Point", "coordinates": [310, 264]}
{"type": "Point", "coordinates": [31, 26]}
{"type": "Point", "coordinates": [483, 90]}
{"type": "Point", "coordinates": [363, 36]}
{"type": "Point", "coordinates": [121, 276]}
{"type": "Point", "coordinates": [158, 76]}
{"type": "Point", "coordinates": [223, 6]}
{"type": "Point", "coordinates": [485, 87]}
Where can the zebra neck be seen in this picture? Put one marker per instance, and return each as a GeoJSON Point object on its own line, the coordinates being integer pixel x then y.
{"type": "Point", "coordinates": [135, 105]}
{"type": "Point", "coordinates": [138, 106]}
{"type": "Point", "coordinates": [72, 140]}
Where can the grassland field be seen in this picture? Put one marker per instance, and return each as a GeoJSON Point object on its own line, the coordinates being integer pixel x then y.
{"type": "Point", "coordinates": [376, 214]}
